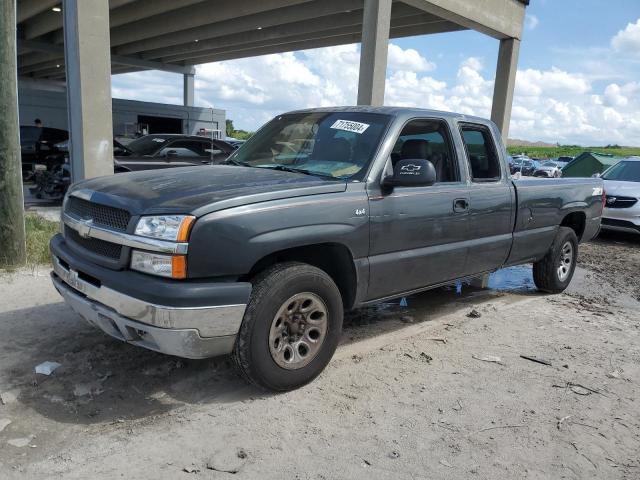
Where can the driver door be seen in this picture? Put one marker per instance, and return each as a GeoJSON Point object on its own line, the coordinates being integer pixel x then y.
{"type": "Point", "coordinates": [418, 234]}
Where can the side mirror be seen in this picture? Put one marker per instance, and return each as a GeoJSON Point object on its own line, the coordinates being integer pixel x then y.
{"type": "Point", "coordinates": [171, 153]}
{"type": "Point", "coordinates": [411, 173]}
{"type": "Point", "coordinates": [596, 175]}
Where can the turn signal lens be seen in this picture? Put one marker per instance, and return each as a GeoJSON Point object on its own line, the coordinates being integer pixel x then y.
{"type": "Point", "coordinates": [179, 266]}
{"type": "Point", "coordinates": [185, 228]}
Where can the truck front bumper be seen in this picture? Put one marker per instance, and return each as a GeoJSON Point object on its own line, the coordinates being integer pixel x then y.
{"type": "Point", "coordinates": [192, 330]}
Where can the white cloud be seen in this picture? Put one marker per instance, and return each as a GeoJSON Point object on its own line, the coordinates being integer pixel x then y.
{"type": "Point", "coordinates": [553, 105]}
{"type": "Point", "coordinates": [531, 21]}
{"type": "Point", "coordinates": [409, 59]}
{"type": "Point", "coordinates": [627, 41]}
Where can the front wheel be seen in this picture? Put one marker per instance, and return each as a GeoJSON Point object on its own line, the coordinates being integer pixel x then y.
{"type": "Point", "coordinates": [291, 327]}
{"type": "Point", "coordinates": [554, 272]}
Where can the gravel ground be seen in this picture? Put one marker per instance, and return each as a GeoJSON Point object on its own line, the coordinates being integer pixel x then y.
{"type": "Point", "coordinates": [616, 258]}
{"type": "Point", "coordinates": [412, 392]}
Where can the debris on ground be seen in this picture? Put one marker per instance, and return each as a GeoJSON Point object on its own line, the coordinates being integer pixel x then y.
{"type": "Point", "coordinates": [536, 360]}
{"type": "Point", "coordinates": [228, 460]}
{"type": "Point", "coordinates": [474, 314]}
{"type": "Point", "coordinates": [438, 339]}
{"type": "Point", "coordinates": [615, 374]}
{"type": "Point", "coordinates": [445, 463]}
{"type": "Point", "coordinates": [4, 422]}
{"type": "Point", "coordinates": [9, 397]}
{"type": "Point", "coordinates": [426, 357]}
{"type": "Point", "coordinates": [488, 358]}
{"type": "Point", "coordinates": [561, 421]}
{"type": "Point", "coordinates": [47, 368]}
{"type": "Point", "coordinates": [191, 469]}
{"type": "Point", "coordinates": [394, 454]}
{"type": "Point", "coordinates": [20, 442]}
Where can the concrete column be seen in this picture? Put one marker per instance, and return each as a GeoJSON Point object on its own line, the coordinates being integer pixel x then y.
{"type": "Point", "coordinates": [504, 85]}
{"type": "Point", "coordinates": [12, 245]}
{"type": "Point", "coordinates": [88, 69]}
{"type": "Point", "coordinates": [373, 51]}
{"type": "Point", "coordinates": [189, 89]}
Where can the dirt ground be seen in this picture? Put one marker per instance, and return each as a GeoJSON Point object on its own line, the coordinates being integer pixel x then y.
{"type": "Point", "coordinates": [410, 393]}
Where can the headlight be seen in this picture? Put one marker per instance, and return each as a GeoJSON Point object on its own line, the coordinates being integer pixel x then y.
{"type": "Point", "coordinates": [165, 227]}
{"type": "Point", "coordinates": [171, 266]}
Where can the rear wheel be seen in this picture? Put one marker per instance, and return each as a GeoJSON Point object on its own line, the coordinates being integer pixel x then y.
{"type": "Point", "coordinates": [291, 327]}
{"type": "Point", "coordinates": [554, 272]}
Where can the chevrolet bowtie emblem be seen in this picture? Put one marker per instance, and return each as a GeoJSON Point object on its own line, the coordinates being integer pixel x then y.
{"type": "Point", "coordinates": [84, 227]}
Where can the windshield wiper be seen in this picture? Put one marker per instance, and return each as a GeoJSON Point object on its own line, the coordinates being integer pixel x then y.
{"type": "Point", "coordinates": [284, 168]}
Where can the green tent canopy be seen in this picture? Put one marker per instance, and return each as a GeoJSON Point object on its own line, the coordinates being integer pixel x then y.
{"type": "Point", "coordinates": [588, 163]}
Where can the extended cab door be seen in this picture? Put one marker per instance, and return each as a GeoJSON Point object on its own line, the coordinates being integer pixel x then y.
{"type": "Point", "coordinates": [418, 233]}
{"type": "Point", "coordinates": [491, 200]}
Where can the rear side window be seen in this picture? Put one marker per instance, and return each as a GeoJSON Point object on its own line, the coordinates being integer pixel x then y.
{"type": "Point", "coordinates": [481, 153]}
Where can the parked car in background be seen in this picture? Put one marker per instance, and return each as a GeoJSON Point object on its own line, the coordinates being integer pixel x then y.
{"type": "Point", "coordinates": [549, 169]}
{"type": "Point", "coordinates": [622, 188]}
{"type": "Point", "coordinates": [262, 256]}
{"type": "Point", "coordinates": [38, 147]}
{"type": "Point", "coordinates": [234, 142]}
{"type": "Point", "coordinates": [155, 151]}
{"type": "Point", "coordinates": [523, 164]}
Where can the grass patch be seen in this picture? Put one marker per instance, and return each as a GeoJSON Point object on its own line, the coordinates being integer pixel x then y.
{"type": "Point", "coordinates": [39, 231]}
{"type": "Point", "coordinates": [571, 151]}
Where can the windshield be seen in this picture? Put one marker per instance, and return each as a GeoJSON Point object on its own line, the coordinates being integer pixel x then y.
{"type": "Point", "coordinates": [147, 145]}
{"type": "Point", "coordinates": [327, 144]}
{"type": "Point", "coordinates": [625, 171]}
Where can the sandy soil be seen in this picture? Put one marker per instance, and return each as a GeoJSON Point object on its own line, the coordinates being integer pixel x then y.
{"type": "Point", "coordinates": [409, 393]}
{"type": "Point", "coordinates": [615, 257]}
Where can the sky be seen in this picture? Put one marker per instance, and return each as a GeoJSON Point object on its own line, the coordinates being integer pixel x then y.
{"type": "Point", "coordinates": [578, 79]}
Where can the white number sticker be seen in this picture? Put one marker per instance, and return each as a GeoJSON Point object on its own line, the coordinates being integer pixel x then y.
{"type": "Point", "coordinates": [349, 126]}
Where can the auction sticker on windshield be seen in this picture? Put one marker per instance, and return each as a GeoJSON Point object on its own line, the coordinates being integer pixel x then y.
{"type": "Point", "coordinates": [350, 126]}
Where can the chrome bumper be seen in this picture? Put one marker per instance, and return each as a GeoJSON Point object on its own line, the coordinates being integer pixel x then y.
{"type": "Point", "coordinates": [198, 332]}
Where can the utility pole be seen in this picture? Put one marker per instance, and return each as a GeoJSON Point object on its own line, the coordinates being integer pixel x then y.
{"type": "Point", "coordinates": [12, 237]}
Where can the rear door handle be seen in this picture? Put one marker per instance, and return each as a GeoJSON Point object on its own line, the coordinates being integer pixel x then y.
{"type": "Point", "coordinates": [460, 205]}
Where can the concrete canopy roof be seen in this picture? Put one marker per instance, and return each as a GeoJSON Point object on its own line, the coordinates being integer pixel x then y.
{"type": "Point", "coordinates": [174, 35]}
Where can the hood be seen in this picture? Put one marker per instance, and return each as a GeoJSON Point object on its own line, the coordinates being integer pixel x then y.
{"type": "Point", "coordinates": [201, 189]}
{"type": "Point", "coordinates": [624, 189]}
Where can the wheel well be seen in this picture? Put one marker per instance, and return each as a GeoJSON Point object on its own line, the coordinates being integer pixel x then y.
{"type": "Point", "coordinates": [575, 221]}
{"type": "Point", "coordinates": [335, 259]}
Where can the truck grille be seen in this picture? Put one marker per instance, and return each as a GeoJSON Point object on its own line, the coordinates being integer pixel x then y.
{"type": "Point", "coordinates": [615, 201]}
{"type": "Point", "coordinates": [111, 217]}
{"type": "Point", "coordinates": [94, 245]}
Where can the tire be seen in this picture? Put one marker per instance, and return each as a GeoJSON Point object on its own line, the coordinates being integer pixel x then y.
{"type": "Point", "coordinates": [549, 274]}
{"type": "Point", "coordinates": [270, 331]}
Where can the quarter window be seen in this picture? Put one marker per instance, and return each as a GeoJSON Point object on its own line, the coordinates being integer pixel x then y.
{"type": "Point", "coordinates": [483, 158]}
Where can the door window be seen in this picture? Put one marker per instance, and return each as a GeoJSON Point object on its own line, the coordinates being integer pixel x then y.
{"type": "Point", "coordinates": [483, 158]}
{"type": "Point", "coordinates": [428, 140]}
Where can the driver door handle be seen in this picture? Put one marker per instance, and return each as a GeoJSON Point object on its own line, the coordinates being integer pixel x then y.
{"type": "Point", "coordinates": [460, 205]}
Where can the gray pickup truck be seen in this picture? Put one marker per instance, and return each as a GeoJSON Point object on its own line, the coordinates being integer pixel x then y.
{"type": "Point", "coordinates": [321, 211]}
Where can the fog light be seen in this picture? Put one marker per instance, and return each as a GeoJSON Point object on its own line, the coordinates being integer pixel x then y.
{"type": "Point", "coordinates": [170, 266]}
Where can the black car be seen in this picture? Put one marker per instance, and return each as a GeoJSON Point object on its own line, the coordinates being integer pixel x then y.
{"type": "Point", "coordinates": [169, 150]}
{"type": "Point", "coordinates": [38, 146]}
